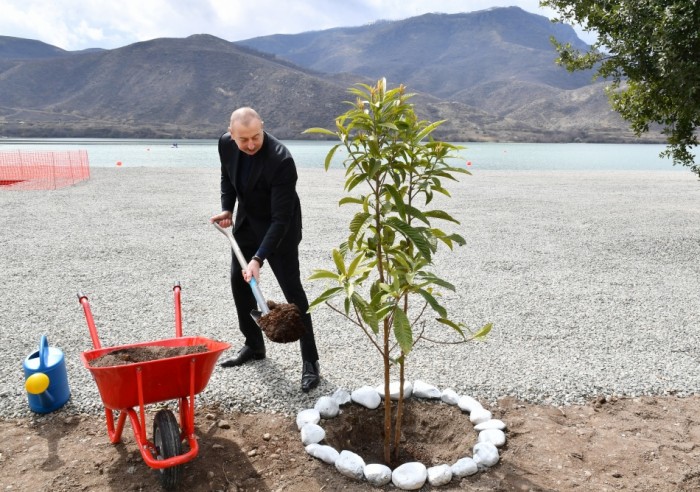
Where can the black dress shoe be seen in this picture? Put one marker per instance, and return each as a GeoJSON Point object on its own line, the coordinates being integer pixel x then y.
{"type": "Point", "coordinates": [310, 376]}
{"type": "Point", "coordinates": [244, 355]}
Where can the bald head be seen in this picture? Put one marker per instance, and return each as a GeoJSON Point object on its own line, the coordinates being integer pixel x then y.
{"type": "Point", "coordinates": [247, 130]}
{"type": "Point", "coordinates": [245, 116]}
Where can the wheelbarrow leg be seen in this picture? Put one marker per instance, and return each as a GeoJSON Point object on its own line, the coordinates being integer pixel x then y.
{"type": "Point", "coordinates": [115, 433]}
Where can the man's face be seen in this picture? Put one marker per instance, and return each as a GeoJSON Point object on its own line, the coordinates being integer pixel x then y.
{"type": "Point", "coordinates": [248, 138]}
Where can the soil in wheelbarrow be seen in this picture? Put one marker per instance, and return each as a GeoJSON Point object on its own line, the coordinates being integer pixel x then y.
{"type": "Point", "coordinates": [132, 355]}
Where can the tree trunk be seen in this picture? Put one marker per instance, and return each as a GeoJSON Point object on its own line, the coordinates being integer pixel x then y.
{"type": "Point", "coordinates": [387, 398]}
{"type": "Point", "coordinates": [399, 410]}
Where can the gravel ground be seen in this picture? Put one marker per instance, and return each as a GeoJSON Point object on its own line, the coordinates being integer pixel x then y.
{"type": "Point", "coordinates": [590, 278]}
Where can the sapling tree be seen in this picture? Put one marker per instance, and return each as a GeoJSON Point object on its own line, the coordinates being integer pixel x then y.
{"type": "Point", "coordinates": [382, 281]}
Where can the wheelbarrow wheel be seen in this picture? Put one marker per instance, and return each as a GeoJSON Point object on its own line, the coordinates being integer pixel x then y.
{"type": "Point", "coordinates": [166, 437]}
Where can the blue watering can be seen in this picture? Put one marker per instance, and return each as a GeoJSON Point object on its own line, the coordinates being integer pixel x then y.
{"type": "Point", "coordinates": [45, 378]}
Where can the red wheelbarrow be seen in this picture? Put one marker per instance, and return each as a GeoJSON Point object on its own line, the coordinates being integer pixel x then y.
{"type": "Point", "coordinates": [123, 387]}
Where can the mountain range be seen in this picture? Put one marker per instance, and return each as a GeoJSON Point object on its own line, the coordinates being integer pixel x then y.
{"type": "Point", "coordinates": [491, 74]}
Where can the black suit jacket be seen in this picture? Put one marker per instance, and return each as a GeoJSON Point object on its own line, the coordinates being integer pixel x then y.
{"type": "Point", "coordinates": [268, 202]}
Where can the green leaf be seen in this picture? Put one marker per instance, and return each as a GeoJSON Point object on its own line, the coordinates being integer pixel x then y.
{"type": "Point", "coordinates": [339, 262]}
{"type": "Point", "coordinates": [352, 182]}
{"type": "Point", "coordinates": [329, 157]}
{"type": "Point", "coordinates": [368, 314]}
{"type": "Point", "coordinates": [350, 199]}
{"type": "Point", "coordinates": [452, 325]}
{"type": "Point", "coordinates": [481, 334]}
{"type": "Point", "coordinates": [441, 311]}
{"type": "Point", "coordinates": [414, 235]}
{"type": "Point", "coordinates": [397, 198]}
{"type": "Point", "coordinates": [318, 274]}
{"type": "Point", "coordinates": [328, 294]}
{"type": "Point", "coordinates": [356, 225]}
{"type": "Point", "coordinates": [354, 263]}
{"type": "Point", "coordinates": [428, 129]}
{"type": "Point", "coordinates": [439, 214]}
{"type": "Point", "coordinates": [417, 214]}
{"type": "Point", "coordinates": [323, 131]}
{"type": "Point", "coordinates": [402, 331]}
{"type": "Point", "coordinates": [457, 238]}
{"type": "Point", "coordinates": [430, 277]}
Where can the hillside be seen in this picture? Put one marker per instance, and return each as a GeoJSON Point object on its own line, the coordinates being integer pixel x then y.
{"type": "Point", "coordinates": [491, 74]}
{"type": "Point", "coordinates": [160, 88]}
{"type": "Point", "coordinates": [440, 54]}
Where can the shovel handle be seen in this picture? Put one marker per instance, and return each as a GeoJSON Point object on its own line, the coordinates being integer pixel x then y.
{"type": "Point", "coordinates": [257, 293]}
{"type": "Point", "coordinates": [234, 245]}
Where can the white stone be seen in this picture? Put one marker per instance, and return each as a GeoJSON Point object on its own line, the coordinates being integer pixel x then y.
{"type": "Point", "coordinates": [341, 396]}
{"type": "Point", "coordinates": [310, 415]}
{"type": "Point", "coordinates": [377, 474]}
{"type": "Point", "coordinates": [439, 475]}
{"type": "Point", "coordinates": [450, 396]}
{"type": "Point", "coordinates": [495, 436]}
{"type": "Point", "coordinates": [327, 407]}
{"type": "Point", "coordinates": [464, 467]}
{"type": "Point", "coordinates": [312, 434]}
{"type": "Point", "coordinates": [351, 465]}
{"type": "Point", "coordinates": [323, 453]}
{"type": "Point", "coordinates": [425, 390]}
{"type": "Point", "coordinates": [410, 476]}
{"type": "Point", "coordinates": [394, 388]}
{"type": "Point", "coordinates": [485, 455]}
{"type": "Point", "coordinates": [468, 404]}
{"type": "Point", "coordinates": [479, 416]}
{"type": "Point", "coordinates": [367, 397]}
{"type": "Point", "coordinates": [490, 424]}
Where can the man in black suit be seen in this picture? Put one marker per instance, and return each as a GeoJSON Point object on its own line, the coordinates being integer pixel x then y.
{"type": "Point", "coordinates": [258, 175]}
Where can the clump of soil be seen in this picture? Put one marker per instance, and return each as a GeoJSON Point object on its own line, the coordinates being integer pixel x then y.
{"type": "Point", "coordinates": [283, 324]}
{"type": "Point", "coordinates": [146, 353]}
{"type": "Point", "coordinates": [424, 436]}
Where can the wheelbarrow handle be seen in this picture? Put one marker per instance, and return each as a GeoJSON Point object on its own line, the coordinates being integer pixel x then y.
{"type": "Point", "coordinates": [82, 298]}
{"type": "Point", "coordinates": [257, 293]}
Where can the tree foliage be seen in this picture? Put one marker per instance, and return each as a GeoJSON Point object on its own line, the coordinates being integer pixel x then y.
{"type": "Point", "coordinates": [650, 49]}
{"type": "Point", "coordinates": [382, 281]}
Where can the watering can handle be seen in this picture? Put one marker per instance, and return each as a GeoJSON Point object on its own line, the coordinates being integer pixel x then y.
{"type": "Point", "coordinates": [43, 353]}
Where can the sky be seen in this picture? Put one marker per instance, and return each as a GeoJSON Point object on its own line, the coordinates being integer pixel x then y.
{"type": "Point", "coordinates": [80, 24]}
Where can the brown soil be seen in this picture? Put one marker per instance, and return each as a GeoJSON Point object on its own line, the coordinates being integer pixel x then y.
{"type": "Point", "coordinates": [641, 444]}
{"type": "Point", "coordinates": [132, 355]}
{"type": "Point", "coordinates": [283, 324]}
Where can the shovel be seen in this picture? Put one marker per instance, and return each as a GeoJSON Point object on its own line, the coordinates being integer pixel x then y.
{"type": "Point", "coordinates": [257, 293]}
{"type": "Point", "coordinates": [283, 323]}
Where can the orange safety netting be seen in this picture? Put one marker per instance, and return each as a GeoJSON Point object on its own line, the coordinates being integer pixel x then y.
{"type": "Point", "coordinates": [33, 170]}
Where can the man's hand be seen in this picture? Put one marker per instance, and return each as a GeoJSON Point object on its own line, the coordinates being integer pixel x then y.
{"type": "Point", "coordinates": [252, 271]}
{"type": "Point", "coordinates": [224, 219]}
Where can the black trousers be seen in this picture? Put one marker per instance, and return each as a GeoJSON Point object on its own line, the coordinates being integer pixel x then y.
{"type": "Point", "coordinates": [285, 267]}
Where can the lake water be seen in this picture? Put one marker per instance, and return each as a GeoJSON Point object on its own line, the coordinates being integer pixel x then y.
{"type": "Point", "coordinates": [493, 156]}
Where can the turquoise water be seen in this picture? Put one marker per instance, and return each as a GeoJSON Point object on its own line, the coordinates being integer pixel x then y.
{"type": "Point", "coordinates": [494, 156]}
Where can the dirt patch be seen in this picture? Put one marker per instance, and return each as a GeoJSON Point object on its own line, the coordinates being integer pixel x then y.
{"type": "Point", "coordinates": [641, 444]}
{"type": "Point", "coordinates": [424, 436]}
